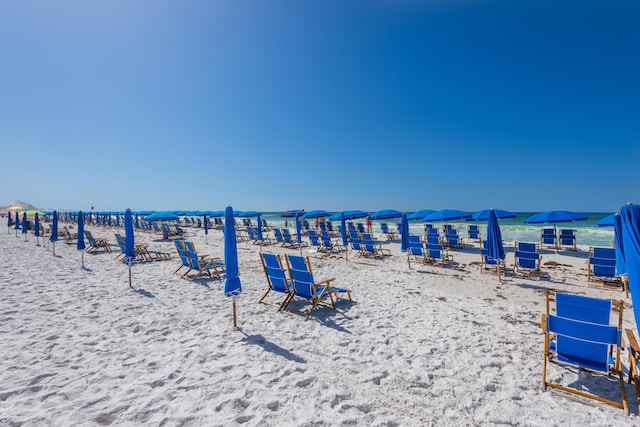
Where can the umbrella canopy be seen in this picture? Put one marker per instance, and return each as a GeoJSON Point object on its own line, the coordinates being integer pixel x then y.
{"type": "Point", "coordinates": [246, 214]}
{"type": "Point", "coordinates": [621, 265]}
{"type": "Point", "coordinates": [54, 227]}
{"type": "Point", "coordinates": [404, 233]}
{"type": "Point", "coordinates": [630, 221]}
{"type": "Point", "coordinates": [447, 215]}
{"type": "Point", "coordinates": [499, 214]}
{"type": "Point", "coordinates": [316, 214]}
{"type": "Point", "coordinates": [25, 226]}
{"type": "Point", "coordinates": [162, 216]}
{"type": "Point", "coordinates": [385, 214]}
{"type": "Point", "coordinates": [607, 221]}
{"type": "Point", "coordinates": [232, 284]}
{"type": "Point", "coordinates": [16, 209]}
{"type": "Point", "coordinates": [31, 212]}
{"type": "Point", "coordinates": [215, 214]}
{"type": "Point", "coordinates": [420, 215]}
{"type": "Point", "coordinates": [552, 217]}
{"type": "Point", "coordinates": [80, 243]}
{"type": "Point", "coordinates": [349, 215]}
{"type": "Point", "coordinates": [36, 225]}
{"type": "Point", "coordinates": [292, 213]}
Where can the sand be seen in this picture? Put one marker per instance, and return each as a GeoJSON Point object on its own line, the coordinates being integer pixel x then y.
{"type": "Point", "coordinates": [417, 346]}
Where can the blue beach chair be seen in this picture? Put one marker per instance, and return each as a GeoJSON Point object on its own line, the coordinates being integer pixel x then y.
{"type": "Point", "coordinates": [601, 266]}
{"type": "Point", "coordinates": [548, 237]}
{"type": "Point", "coordinates": [527, 259]}
{"type": "Point", "coordinates": [416, 250]}
{"type": "Point", "coordinates": [276, 278]}
{"type": "Point", "coordinates": [567, 239]}
{"type": "Point", "coordinates": [473, 233]}
{"type": "Point", "coordinates": [579, 335]}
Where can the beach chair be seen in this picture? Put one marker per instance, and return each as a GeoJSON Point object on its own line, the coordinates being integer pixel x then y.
{"type": "Point", "coordinates": [385, 230]}
{"type": "Point", "coordinates": [548, 237]}
{"type": "Point", "coordinates": [318, 293]}
{"type": "Point", "coordinates": [96, 245]}
{"type": "Point", "coordinates": [633, 352]}
{"type": "Point", "coordinates": [436, 253]}
{"type": "Point", "coordinates": [69, 237]}
{"type": "Point", "coordinates": [416, 250]}
{"type": "Point", "coordinates": [601, 266]}
{"type": "Point", "coordinates": [373, 248]}
{"type": "Point", "coordinates": [527, 259]}
{"type": "Point", "coordinates": [578, 334]}
{"type": "Point", "coordinates": [278, 235]}
{"type": "Point", "coordinates": [452, 238]}
{"type": "Point", "coordinates": [315, 241]}
{"type": "Point", "coordinates": [328, 244]}
{"type": "Point", "coordinates": [202, 263]}
{"type": "Point", "coordinates": [276, 279]}
{"type": "Point", "coordinates": [330, 228]}
{"type": "Point", "coordinates": [356, 242]}
{"type": "Point", "coordinates": [567, 239]}
{"type": "Point", "coordinates": [184, 257]}
{"type": "Point", "coordinates": [473, 233]}
{"type": "Point", "coordinates": [288, 240]}
{"type": "Point", "coordinates": [304, 263]}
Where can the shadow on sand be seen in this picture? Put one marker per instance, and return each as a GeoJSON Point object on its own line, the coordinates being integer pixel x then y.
{"type": "Point", "coordinates": [271, 347]}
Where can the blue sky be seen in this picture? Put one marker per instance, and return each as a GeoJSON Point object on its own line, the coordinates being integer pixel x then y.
{"type": "Point", "coordinates": [525, 106]}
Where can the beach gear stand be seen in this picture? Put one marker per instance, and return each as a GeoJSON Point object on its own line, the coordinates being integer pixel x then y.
{"type": "Point", "coordinates": [232, 284]}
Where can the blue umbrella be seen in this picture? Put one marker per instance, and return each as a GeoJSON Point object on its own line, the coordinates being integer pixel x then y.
{"type": "Point", "coordinates": [348, 215]}
{"type": "Point", "coordinates": [232, 284]}
{"type": "Point", "coordinates": [36, 225]}
{"type": "Point", "coordinates": [552, 217]}
{"type": "Point", "coordinates": [117, 219]}
{"type": "Point", "coordinates": [80, 243]}
{"type": "Point", "coordinates": [246, 214]}
{"type": "Point", "coordinates": [420, 215]}
{"type": "Point", "coordinates": [484, 215]}
{"type": "Point", "coordinates": [315, 214]}
{"type": "Point", "coordinates": [206, 228]}
{"type": "Point", "coordinates": [495, 248]}
{"type": "Point", "coordinates": [630, 221]}
{"type": "Point", "coordinates": [54, 231]}
{"type": "Point", "coordinates": [621, 266]}
{"type": "Point", "coordinates": [385, 214]}
{"type": "Point", "coordinates": [162, 216]}
{"type": "Point", "coordinates": [129, 253]}
{"type": "Point", "coordinates": [446, 215]}
{"type": "Point", "coordinates": [343, 234]}
{"type": "Point", "coordinates": [259, 230]}
{"type": "Point", "coordinates": [292, 213]}
{"type": "Point", "coordinates": [9, 222]}
{"type": "Point", "coordinates": [137, 223]}
{"type": "Point", "coordinates": [25, 226]}
{"type": "Point", "coordinates": [404, 233]}
{"type": "Point", "coordinates": [607, 221]}
{"type": "Point", "coordinates": [17, 226]}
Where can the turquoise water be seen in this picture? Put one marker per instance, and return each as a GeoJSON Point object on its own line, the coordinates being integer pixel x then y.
{"type": "Point", "coordinates": [512, 229]}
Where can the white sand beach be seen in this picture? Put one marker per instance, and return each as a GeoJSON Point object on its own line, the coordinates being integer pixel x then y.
{"type": "Point", "coordinates": [417, 346]}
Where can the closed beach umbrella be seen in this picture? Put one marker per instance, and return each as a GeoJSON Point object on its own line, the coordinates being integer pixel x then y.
{"type": "Point", "coordinates": [137, 223]}
{"type": "Point", "coordinates": [259, 229]}
{"type": "Point", "coordinates": [206, 228]}
{"type": "Point", "coordinates": [17, 226]}
{"type": "Point", "coordinates": [404, 234]}
{"type": "Point", "coordinates": [54, 231]}
{"type": "Point", "coordinates": [299, 233]}
{"type": "Point", "coordinates": [232, 284]}
{"type": "Point", "coordinates": [9, 222]}
{"type": "Point", "coordinates": [621, 267]}
{"type": "Point", "coordinates": [117, 219]}
{"type": "Point", "coordinates": [343, 234]}
{"type": "Point", "coordinates": [36, 225]}
{"type": "Point", "coordinates": [129, 253]}
{"type": "Point", "coordinates": [495, 248]}
{"type": "Point", "coordinates": [24, 226]}
{"type": "Point", "coordinates": [630, 221]}
{"type": "Point", "coordinates": [80, 243]}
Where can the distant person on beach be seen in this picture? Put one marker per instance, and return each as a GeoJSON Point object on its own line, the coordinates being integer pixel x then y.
{"type": "Point", "coordinates": [369, 225]}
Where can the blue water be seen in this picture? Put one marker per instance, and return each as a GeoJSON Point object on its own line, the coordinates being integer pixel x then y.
{"type": "Point", "coordinates": [512, 229]}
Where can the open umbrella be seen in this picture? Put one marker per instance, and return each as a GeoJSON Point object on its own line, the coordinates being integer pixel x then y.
{"type": "Point", "coordinates": [420, 215]}
{"type": "Point", "coordinates": [25, 226]}
{"type": "Point", "coordinates": [385, 214]}
{"type": "Point", "coordinates": [446, 215]}
{"type": "Point", "coordinates": [16, 209]}
{"type": "Point", "coordinates": [343, 234]}
{"type": "Point", "coordinates": [404, 233]}
{"type": "Point", "coordinates": [292, 213]}
{"type": "Point", "coordinates": [607, 221]}
{"type": "Point", "coordinates": [36, 225]}
{"type": "Point", "coordinates": [162, 216]}
{"type": "Point", "coordinates": [54, 231]}
{"type": "Point", "coordinates": [80, 243]}
{"type": "Point", "coordinates": [232, 284]}
{"type": "Point", "coordinates": [630, 221]}
{"type": "Point", "coordinates": [315, 214]}
{"type": "Point", "coordinates": [484, 215]}
{"type": "Point", "coordinates": [129, 253]}
{"type": "Point", "coordinates": [495, 248]}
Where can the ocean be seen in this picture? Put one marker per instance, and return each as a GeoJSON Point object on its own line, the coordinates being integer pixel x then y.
{"type": "Point", "coordinates": [514, 229]}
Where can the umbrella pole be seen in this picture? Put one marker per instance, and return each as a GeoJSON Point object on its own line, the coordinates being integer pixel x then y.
{"type": "Point", "coordinates": [82, 258]}
{"type": "Point", "coordinates": [235, 324]}
{"type": "Point", "coordinates": [53, 246]}
{"type": "Point", "coordinates": [130, 274]}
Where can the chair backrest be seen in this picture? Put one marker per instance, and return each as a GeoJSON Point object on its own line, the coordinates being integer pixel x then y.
{"type": "Point", "coordinates": [384, 227]}
{"type": "Point", "coordinates": [182, 252]}
{"type": "Point", "coordinates": [276, 276]}
{"type": "Point", "coordinates": [415, 245]}
{"type": "Point", "coordinates": [313, 238]}
{"type": "Point", "coordinates": [435, 251]}
{"type": "Point", "coordinates": [583, 334]}
{"type": "Point", "coordinates": [278, 233]}
{"type": "Point", "coordinates": [527, 255]}
{"type": "Point", "coordinates": [602, 262]}
{"type": "Point", "coordinates": [252, 235]}
{"type": "Point", "coordinates": [286, 235]}
{"type": "Point", "coordinates": [548, 236]}
{"type": "Point", "coordinates": [603, 253]}
{"type": "Point", "coordinates": [90, 239]}
{"type": "Point", "coordinates": [330, 226]}
{"type": "Point", "coordinates": [433, 240]}
{"type": "Point", "coordinates": [360, 227]}
{"type": "Point", "coordinates": [485, 258]}
{"type": "Point", "coordinates": [473, 231]}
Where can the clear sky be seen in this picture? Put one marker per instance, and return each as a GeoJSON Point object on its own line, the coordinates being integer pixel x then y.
{"type": "Point", "coordinates": [276, 105]}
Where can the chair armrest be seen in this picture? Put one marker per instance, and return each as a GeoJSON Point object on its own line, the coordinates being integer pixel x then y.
{"type": "Point", "coordinates": [633, 343]}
